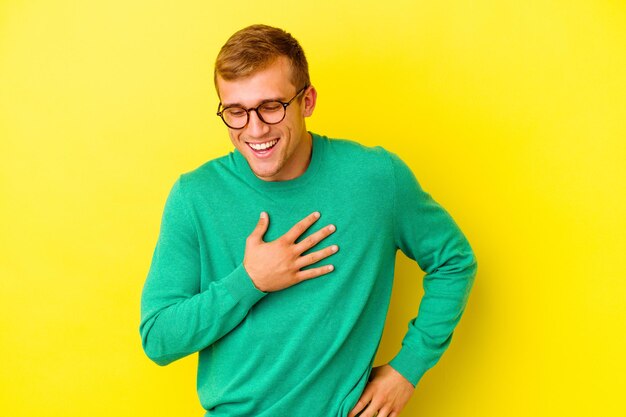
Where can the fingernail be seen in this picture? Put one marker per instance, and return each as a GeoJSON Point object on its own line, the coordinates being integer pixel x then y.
{"type": "Point", "coordinates": [330, 267]}
{"type": "Point", "coordinates": [317, 214]}
{"type": "Point", "coordinates": [335, 248]}
{"type": "Point", "coordinates": [263, 215]}
{"type": "Point", "coordinates": [331, 227]}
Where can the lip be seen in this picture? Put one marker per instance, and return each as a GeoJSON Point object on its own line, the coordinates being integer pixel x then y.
{"type": "Point", "coordinates": [262, 155]}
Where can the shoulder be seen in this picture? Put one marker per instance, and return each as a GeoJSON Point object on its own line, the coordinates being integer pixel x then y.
{"type": "Point", "coordinates": [207, 174]}
{"type": "Point", "coordinates": [349, 153]}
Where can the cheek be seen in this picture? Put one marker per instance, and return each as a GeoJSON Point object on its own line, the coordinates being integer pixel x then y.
{"type": "Point", "coordinates": [234, 137]}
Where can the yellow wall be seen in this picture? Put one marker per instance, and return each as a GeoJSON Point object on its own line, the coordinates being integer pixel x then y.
{"type": "Point", "coordinates": [510, 113]}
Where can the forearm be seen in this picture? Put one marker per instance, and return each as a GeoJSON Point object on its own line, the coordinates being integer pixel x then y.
{"type": "Point", "coordinates": [173, 326]}
{"type": "Point", "coordinates": [446, 291]}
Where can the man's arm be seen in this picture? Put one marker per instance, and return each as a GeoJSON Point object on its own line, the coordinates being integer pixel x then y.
{"type": "Point", "coordinates": [426, 233]}
{"type": "Point", "coordinates": [177, 319]}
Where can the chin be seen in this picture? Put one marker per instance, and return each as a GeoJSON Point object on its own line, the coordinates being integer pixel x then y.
{"type": "Point", "coordinates": [263, 173]}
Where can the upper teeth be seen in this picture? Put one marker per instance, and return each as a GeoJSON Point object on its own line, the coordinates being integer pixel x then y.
{"type": "Point", "coordinates": [261, 146]}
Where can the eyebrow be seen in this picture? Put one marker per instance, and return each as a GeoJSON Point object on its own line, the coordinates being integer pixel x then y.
{"type": "Point", "coordinates": [267, 100]}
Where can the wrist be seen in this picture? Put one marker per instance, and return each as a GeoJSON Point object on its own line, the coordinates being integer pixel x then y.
{"type": "Point", "coordinates": [252, 275]}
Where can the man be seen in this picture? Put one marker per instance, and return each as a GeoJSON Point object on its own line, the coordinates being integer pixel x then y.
{"type": "Point", "coordinates": [276, 261]}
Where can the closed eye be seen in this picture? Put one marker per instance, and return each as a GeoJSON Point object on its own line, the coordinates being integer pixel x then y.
{"type": "Point", "coordinates": [272, 106]}
{"type": "Point", "coordinates": [235, 112]}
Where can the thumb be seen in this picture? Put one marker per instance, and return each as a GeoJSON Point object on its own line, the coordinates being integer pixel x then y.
{"type": "Point", "coordinates": [261, 226]}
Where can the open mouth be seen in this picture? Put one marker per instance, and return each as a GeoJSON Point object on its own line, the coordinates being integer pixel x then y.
{"type": "Point", "coordinates": [263, 149]}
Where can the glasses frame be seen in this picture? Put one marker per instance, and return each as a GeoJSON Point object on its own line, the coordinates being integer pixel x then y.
{"type": "Point", "coordinates": [220, 113]}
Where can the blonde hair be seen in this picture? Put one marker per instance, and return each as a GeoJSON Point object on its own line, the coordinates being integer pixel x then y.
{"type": "Point", "coordinates": [254, 48]}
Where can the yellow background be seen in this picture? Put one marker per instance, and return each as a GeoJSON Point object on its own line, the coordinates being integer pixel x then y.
{"type": "Point", "coordinates": [511, 114]}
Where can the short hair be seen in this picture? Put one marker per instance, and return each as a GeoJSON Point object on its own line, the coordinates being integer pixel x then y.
{"type": "Point", "coordinates": [256, 47]}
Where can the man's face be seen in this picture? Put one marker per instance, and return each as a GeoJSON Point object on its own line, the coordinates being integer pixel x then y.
{"type": "Point", "coordinates": [288, 156]}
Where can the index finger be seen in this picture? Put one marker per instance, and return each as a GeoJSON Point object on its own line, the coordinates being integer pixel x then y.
{"type": "Point", "coordinates": [301, 227]}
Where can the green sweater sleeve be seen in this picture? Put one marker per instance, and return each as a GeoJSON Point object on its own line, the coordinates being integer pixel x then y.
{"type": "Point", "coordinates": [177, 318]}
{"type": "Point", "coordinates": [426, 233]}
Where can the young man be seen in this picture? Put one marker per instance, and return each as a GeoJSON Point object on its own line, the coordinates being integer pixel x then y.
{"type": "Point", "coordinates": [276, 262]}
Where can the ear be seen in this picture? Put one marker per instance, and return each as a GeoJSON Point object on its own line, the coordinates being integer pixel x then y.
{"type": "Point", "coordinates": [309, 100]}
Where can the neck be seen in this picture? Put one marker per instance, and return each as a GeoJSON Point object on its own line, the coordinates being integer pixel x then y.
{"type": "Point", "coordinates": [301, 157]}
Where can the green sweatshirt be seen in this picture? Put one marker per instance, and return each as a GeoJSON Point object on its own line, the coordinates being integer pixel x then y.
{"type": "Point", "coordinates": [306, 350]}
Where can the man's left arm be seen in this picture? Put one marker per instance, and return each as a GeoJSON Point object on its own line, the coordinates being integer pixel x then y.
{"type": "Point", "coordinates": [426, 233]}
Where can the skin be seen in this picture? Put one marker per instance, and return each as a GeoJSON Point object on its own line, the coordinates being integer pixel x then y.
{"type": "Point", "coordinates": [385, 395]}
{"type": "Point", "coordinates": [277, 265]}
{"type": "Point", "coordinates": [292, 153]}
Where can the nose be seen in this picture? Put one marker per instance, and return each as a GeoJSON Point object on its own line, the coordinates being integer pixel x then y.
{"type": "Point", "coordinates": [256, 127]}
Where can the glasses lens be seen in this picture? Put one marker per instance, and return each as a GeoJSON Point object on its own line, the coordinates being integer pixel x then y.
{"type": "Point", "coordinates": [272, 112]}
{"type": "Point", "coordinates": [235, 117]}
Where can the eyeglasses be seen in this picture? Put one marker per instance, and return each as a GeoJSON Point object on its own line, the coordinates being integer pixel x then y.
{"type": "Point", "coordinates": [269, 112]}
